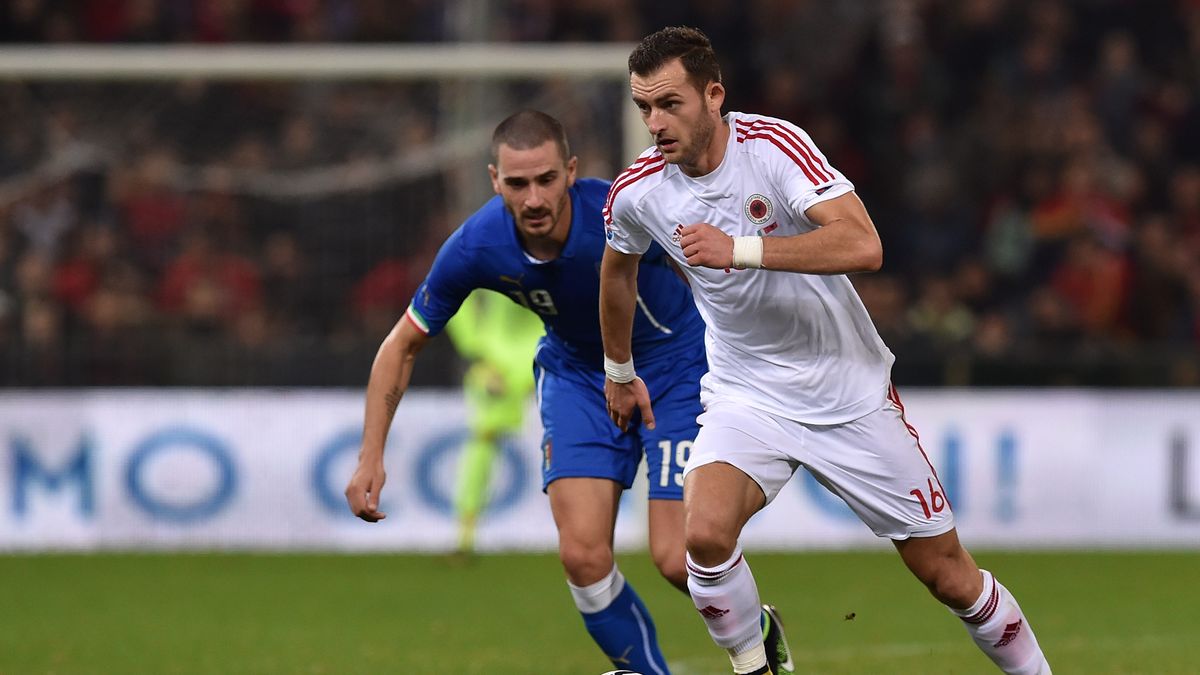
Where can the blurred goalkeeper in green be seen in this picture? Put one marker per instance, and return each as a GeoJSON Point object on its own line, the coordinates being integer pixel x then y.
{"type": "Point", "coordinates": [498, 337]}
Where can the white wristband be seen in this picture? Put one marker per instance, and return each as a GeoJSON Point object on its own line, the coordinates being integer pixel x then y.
{"type": "Point", "coordinates": [619, 372]}
{"type": "Point", "coordinates": [747, 252]}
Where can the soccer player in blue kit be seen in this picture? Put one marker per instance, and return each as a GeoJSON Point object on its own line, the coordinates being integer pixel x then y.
{"type": "Point", "coordinates": [540, 242]}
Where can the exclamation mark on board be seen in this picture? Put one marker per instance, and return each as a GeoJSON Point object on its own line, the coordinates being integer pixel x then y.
{"type": "Point", "coordinates": [1179, 477]}
{"type": "Point", "coordinates": [1006, 477]}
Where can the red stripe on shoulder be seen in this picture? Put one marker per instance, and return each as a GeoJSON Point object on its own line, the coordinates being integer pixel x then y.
{"type": "Point", "coordinates": [633, 174]}
{"type": "Point", "coordinates": [634, 169]}
{"type": "Point", "coordinates": [785, 149]}
{"type": "Point", "coordinates": [808, 151]}
{"type": "Point", "coordinates": [796, 142]}
{"type": "Point", "coordinates": [637, 165]}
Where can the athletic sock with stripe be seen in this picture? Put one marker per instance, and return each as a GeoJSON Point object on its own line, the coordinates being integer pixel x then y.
{"type": "Point", "coordinates": [727, 598]}
{"type": "Point", "coordinates": [620, 624]}
{"type": "Point", "coordinates": [999, 627]}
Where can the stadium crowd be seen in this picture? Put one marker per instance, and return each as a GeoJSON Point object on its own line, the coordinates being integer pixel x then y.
{"type": "Point", "coordinates": [1033, 169]}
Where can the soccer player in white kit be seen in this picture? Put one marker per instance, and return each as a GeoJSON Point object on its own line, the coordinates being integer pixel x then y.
{"type": "Point", "coordinates": [765, 231]}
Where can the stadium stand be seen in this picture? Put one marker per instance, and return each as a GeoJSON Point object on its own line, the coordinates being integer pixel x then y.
{"type": "Point", "coordinates": [1033, 168]}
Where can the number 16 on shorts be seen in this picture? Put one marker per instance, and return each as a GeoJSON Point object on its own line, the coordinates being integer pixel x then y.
{"type": "Point", "coordinates": [932, 500]}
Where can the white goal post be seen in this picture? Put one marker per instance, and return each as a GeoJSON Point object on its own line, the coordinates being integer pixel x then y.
{"type": "Point", "coordinates": [331, 62]}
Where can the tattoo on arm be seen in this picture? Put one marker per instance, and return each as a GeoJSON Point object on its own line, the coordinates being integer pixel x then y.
{"type": "Point", "coordinates": [392, 398]}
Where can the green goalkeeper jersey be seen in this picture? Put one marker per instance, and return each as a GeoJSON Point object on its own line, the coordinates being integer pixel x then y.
{"type": "Point", "coordinates": [499, 338]}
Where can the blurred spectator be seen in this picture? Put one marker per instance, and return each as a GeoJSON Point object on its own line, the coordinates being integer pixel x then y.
{"type": "Point", "coordinates": [1119, 88]}
{"type": "Point", "coordinates": [993, 339]}
{"type": "Point", "coordinates": [24, 20]}
{"type": "Point", "coordinates": [1160, 309]}
{"type": "Point", "coordinates": [92, 251]}
{"type": "Point", "coordinates": [886, 299]}
{"type": "Point", "coordinates": [384, 293]}
{"type": "Point", "coordinates": [1185, 205]}
{"type": "Point", "coordinates": [209, 285]}
{"type": "Point", "coordinates": [1081, 205]}
{"type": "Point", "coordinates": [1092, 281]}
{"type": "Point", "coordinates": [33, 276]}
{"type": "Point", "coordinates": [46, 218]}
{"type": "Point", "coordinates": [151, 208]}
{"type": "Point", "coordinates": [119, 343]}
{"type": "Point", "coordinates": [42, 351]}
{"type": "Point", "coordinates": [938, 317]}
{"type": "Point", "coordinates": [1052, 327]}
{"type": "Point", "coordinates": [936, 228]}
{"type": "Point", "coordinates": [289, 294]}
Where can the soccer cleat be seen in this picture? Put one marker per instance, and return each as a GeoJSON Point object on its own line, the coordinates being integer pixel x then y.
{"type": "Point", "coordinates": [765, 670]}
{"type": "Point", "coordinates": [779, 655]}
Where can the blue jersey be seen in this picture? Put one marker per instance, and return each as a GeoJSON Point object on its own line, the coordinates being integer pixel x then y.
{"type": "Point", "coordinates": [485, 252]}
{"type": "Point", "coordinates": [579, 440]}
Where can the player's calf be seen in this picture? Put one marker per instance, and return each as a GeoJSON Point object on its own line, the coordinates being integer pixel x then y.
{"type": "Point", "coordinates": [999, 627]}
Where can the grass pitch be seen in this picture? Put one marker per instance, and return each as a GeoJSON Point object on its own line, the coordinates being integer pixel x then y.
{"type": "Point", "coordinates": [1094, 613]}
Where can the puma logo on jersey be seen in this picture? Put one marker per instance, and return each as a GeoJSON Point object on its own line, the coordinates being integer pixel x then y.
{"type": "Point", "coordinates": [623, 658]}
{"type": "Point", "coordinates": [511, 280]}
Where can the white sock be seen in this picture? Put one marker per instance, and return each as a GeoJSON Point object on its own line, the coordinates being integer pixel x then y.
{"type": "Point", "coordinates": [998, 626]}
{"type": "Point", "coordinates": [727, 598]}
{"type": "Point", "coordinates": [598, 596]}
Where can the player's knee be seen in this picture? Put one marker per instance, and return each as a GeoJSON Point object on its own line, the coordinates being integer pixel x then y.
{"type": "Point", "coordinates": [584, 563]}
{"type": "Point", "coordinates": [671, 565]}
{"type": "Point", "coordinates": [950, 581]}
{"type": "Point", "coordinates": [708, 543]}
{"type": "Point", "coordinates": [954, 590]}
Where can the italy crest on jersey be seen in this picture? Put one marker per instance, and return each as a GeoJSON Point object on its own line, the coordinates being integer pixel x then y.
{"type": "Point", "coordinates": [758, 208]}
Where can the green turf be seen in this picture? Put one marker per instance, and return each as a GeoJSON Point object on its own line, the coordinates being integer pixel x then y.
{"type": "Point", "coordinates": [1094, 612]}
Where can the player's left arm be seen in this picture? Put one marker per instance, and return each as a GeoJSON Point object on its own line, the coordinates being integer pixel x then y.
{"type": "Point", "coordinates": [845, 241]}
{"type": "Point", "coordinates": [618, 302]}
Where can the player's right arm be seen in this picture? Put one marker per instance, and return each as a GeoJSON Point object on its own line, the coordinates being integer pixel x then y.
{"type": "Point", "coordinates": [451, 279]}
{"type": "Point", "coordinates": [627, 241]}
{"type": "Point", "coordinates": [618, 302]}
{"type": "Point", "coordinates": [390, 374]}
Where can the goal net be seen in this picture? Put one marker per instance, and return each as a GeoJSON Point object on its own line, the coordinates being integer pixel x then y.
{"type": "Point", "coordinates": [256, 215]}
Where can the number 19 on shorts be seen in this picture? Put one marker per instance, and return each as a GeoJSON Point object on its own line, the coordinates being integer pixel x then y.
{"type": "Point", "coordinates": [673, 462]}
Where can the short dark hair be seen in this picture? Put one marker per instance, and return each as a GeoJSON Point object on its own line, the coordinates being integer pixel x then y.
{"type": "Point", "coordinates": [690, 45]}
{"type": "Point", "coordinates": [529, 129]}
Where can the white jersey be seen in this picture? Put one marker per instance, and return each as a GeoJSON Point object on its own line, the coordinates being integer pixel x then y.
{"type": "Point", "coordinates": [800, 346]}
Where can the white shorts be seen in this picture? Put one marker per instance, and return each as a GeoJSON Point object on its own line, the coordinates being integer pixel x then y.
{"type": "Point", "coordinates": [875, 463]}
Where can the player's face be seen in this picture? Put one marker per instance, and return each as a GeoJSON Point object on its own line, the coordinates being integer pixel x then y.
{"type": "Point", "coordinates": [681, 119]}
{"type": "Point", "coordinates": [533, 184]}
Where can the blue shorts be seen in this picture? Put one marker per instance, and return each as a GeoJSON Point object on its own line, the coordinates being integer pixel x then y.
{"type": "Point", "coordinates": [580, 441]}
